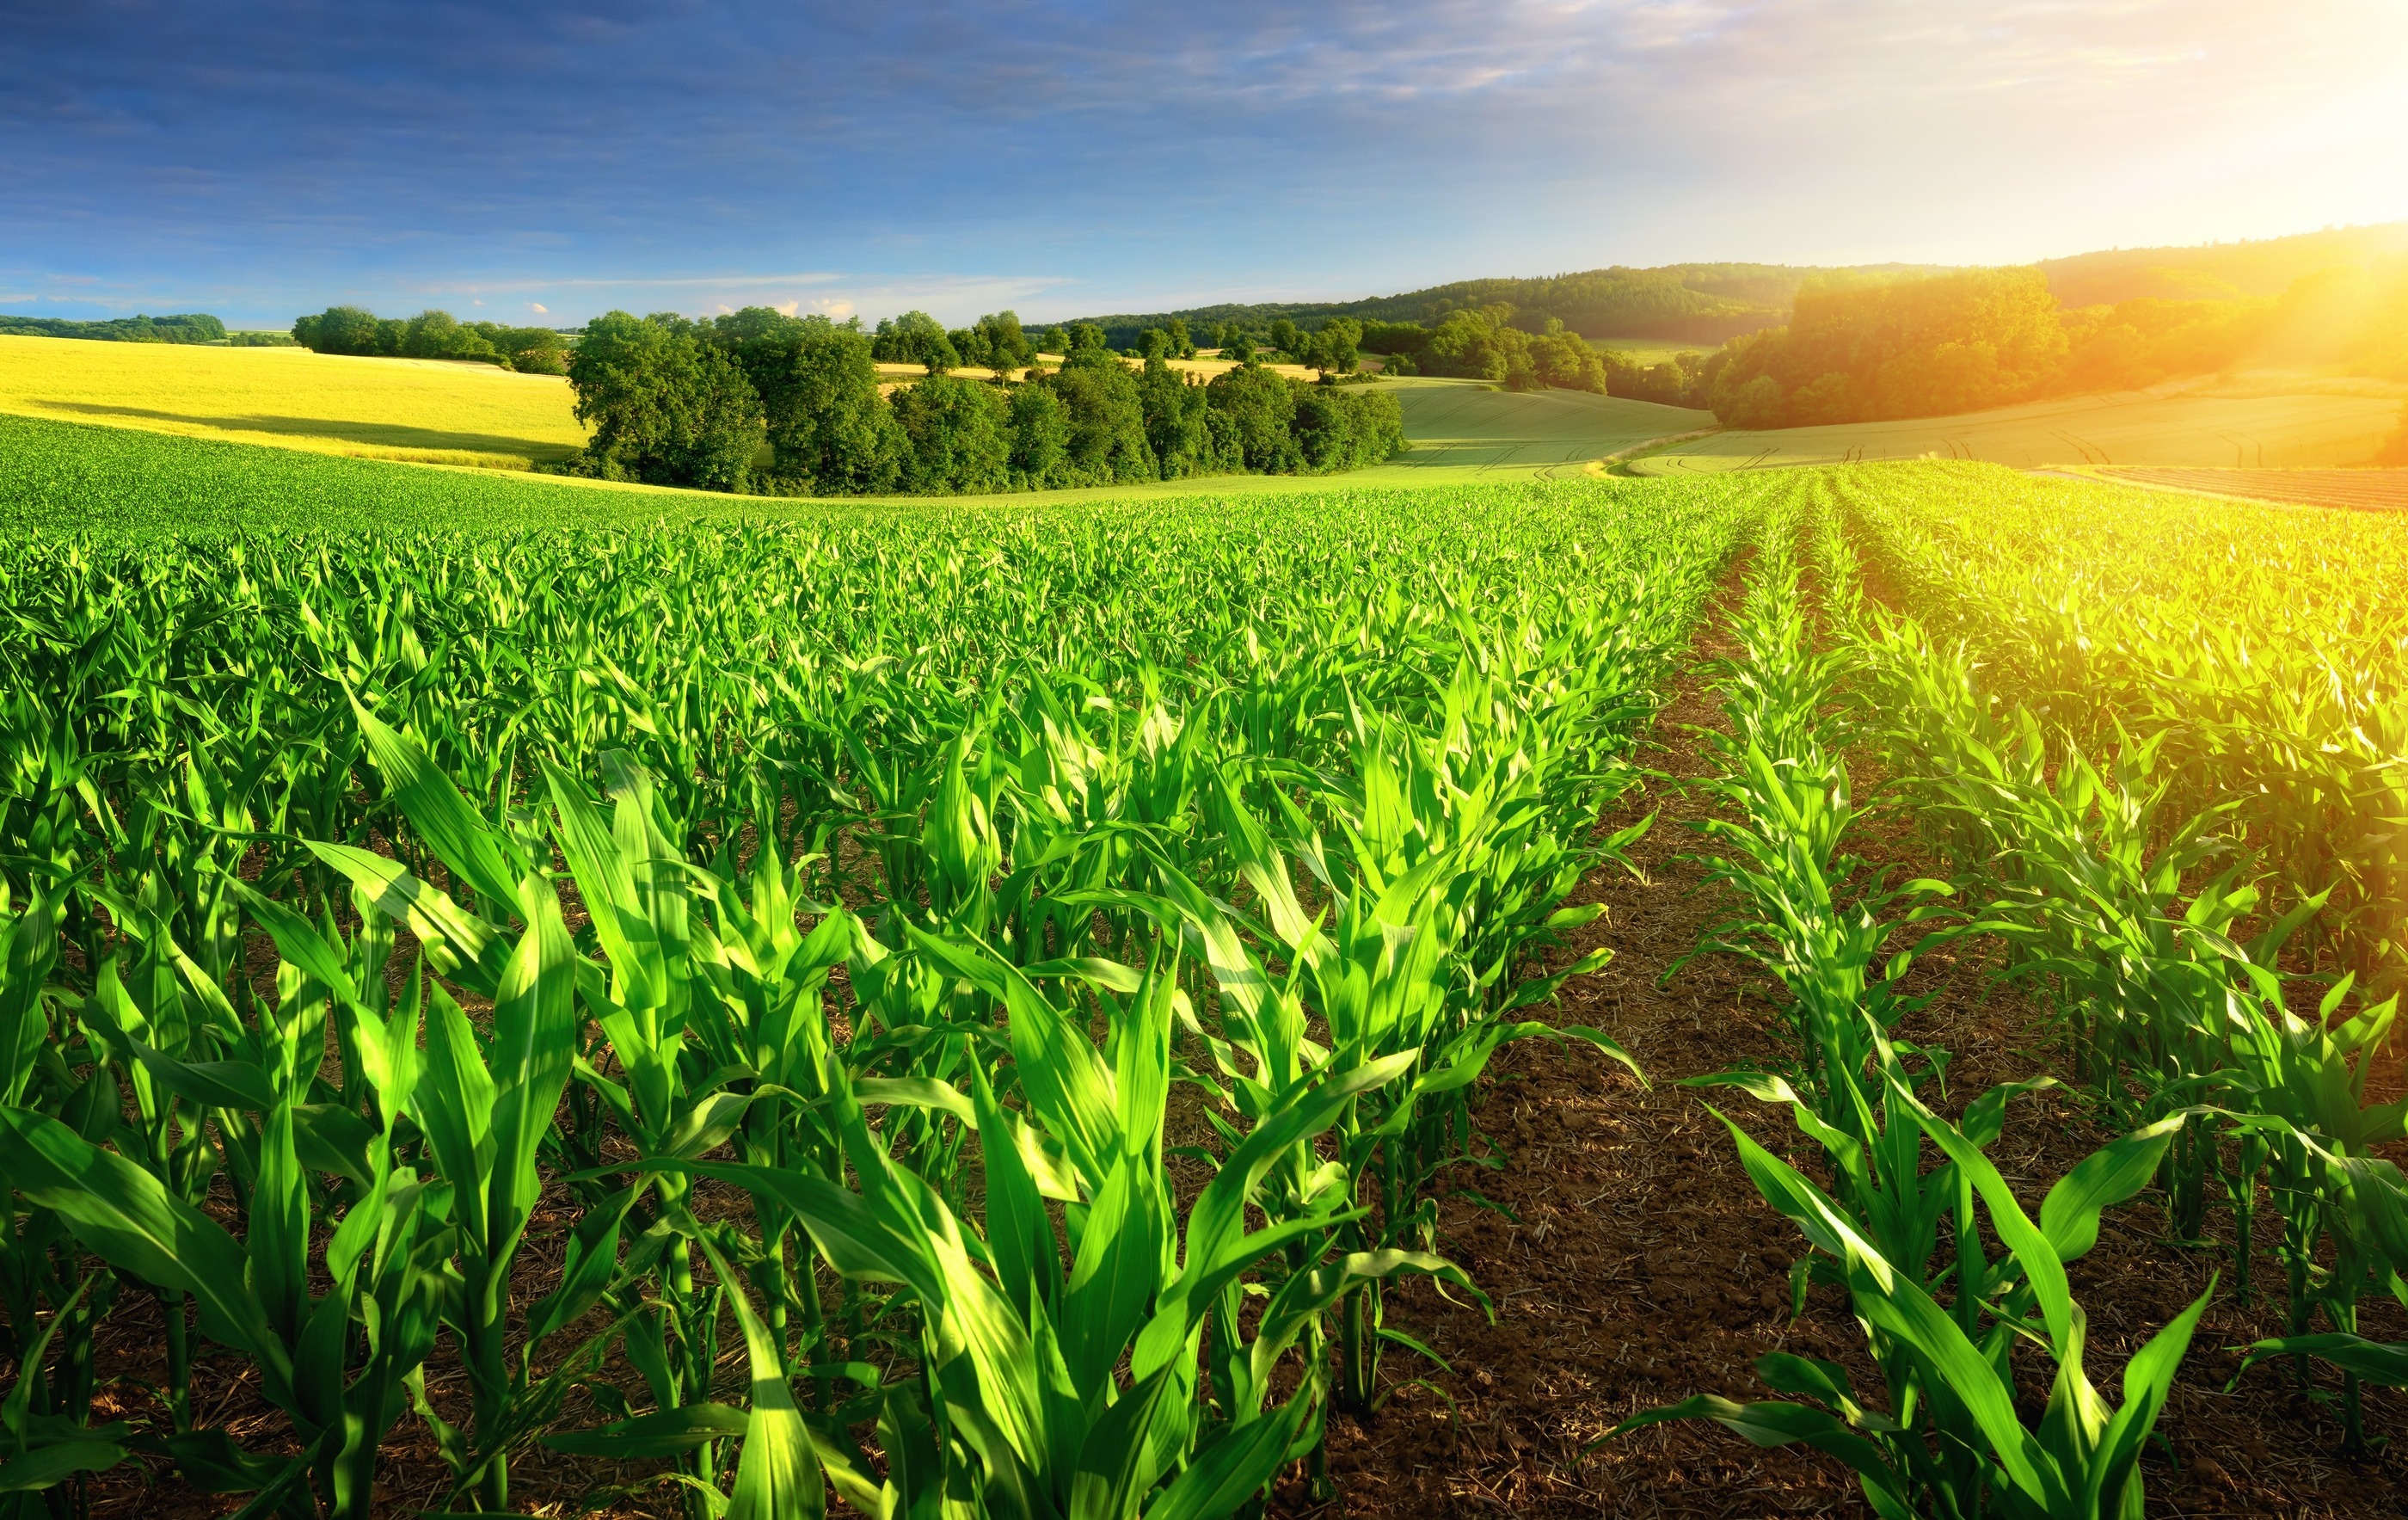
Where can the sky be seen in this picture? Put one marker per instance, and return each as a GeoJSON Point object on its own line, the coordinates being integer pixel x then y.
{"type": "Point", "coordinates": [540, 162]}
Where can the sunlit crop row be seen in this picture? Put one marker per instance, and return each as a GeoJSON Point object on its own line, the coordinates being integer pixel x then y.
{"type": "Point", "coordinates": [2264, 648]}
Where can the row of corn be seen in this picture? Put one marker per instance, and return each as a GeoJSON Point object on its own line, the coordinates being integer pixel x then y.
{"type": "Point", "coordinates": [965, 1012]}
{"type": "Point", "coordinates": [1901, 1225]}
{"type": "Point", "coordinates": [2168, 903]}
{"type": "Point", "coordinates": [2200, 935]}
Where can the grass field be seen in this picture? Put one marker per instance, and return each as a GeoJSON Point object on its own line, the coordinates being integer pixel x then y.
{"type": "Point", "coordinates": [423, 410]}
{"type": "Point", "coordinates": [1465, 429]}
{"type": "Point", "coordinates": [2292, 431]}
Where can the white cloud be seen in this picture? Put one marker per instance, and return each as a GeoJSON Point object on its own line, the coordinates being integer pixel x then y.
{"type": "Point", "coordinates": [540, 308]}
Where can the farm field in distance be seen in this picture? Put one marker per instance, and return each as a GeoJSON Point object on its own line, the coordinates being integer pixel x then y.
{"type": "Point", "coordinates": [2276, 431]}
{"type": "Point", "coordinates": [428, 410]}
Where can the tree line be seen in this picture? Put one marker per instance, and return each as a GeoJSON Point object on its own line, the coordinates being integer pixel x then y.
{"type": "Point", "coordinates": [432, 334]}
{"type": "Point", "coordinates": [674, 401]}
{"type": "Point", "coordinates": [187, 327]}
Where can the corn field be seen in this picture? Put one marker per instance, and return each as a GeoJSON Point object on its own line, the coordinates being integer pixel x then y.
{"type": "Point", "coordinates": [969, 1011]}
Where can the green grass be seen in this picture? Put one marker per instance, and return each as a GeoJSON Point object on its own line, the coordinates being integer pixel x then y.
{"type": "Point", "coordinates": [2283, 430]}
{"type": "Point", "coordinates": [1462, 429]}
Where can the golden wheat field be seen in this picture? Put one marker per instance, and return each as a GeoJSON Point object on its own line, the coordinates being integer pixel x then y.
{"type": "Point", "coordinates": [431, 411]}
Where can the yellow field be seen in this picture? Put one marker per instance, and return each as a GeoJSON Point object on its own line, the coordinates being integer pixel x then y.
{"type": "Point", "coordinates": [2136, 428]}
{"type": "Point", "coordinates": [424, 409]}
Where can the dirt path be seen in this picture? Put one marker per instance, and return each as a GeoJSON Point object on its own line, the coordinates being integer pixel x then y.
{"type": "Point", "coordinates": [1642, 1267]}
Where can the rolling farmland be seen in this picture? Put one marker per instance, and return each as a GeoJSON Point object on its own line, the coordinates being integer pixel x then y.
{"type": "Point", "coordinates": [2274, 431]}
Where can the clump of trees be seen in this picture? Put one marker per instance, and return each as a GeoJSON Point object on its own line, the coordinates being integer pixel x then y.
{"type": "Point", "coordinates": [760, 401]}
{"type": "Point", "coordinates": [432, 334]}
{"type": "Point", "coordinates": [1483, 344]}
{"type": "Point", "coordinates": [915, 338]}
{"type": "Point", "coordinates": [189, 327]}
{"type": "Point", "coordinates": [1335, 348]}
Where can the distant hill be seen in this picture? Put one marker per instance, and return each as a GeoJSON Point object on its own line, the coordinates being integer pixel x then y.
{"type": "Point", "coordinates": [2218, 271]}
{"type": "Point", "coordinates": [1709, 304]}
{"type": "Point", "coordinates": [1690, 303]}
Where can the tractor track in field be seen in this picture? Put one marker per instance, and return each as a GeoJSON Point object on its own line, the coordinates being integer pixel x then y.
{"type": "Point", "coordinates": [1642, 1267]}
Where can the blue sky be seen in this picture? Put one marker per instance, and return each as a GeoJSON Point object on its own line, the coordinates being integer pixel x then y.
{"type": "Point", "coordinates": [538, 162]}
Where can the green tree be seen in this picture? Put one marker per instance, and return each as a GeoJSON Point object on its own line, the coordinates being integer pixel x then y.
{"type": "Point", "coordinates": [833, 433]}
{"type": "Point", "coordinates": [959, 437]}
{"type": "Point", "coordinates": [1335, 346]}
{"type": "Point", "coordinates": [1105, 423]}
{"type": "Point", "coordinates": [1342, 429]}
{"type": "Point", "coordinates": [1181, 346]}
{"type": "Point", "coordinates": [666, 407]}
{"type": "Point", "coordinates": [1006, 347]}
{"type": "Point", "coordinates": [1085, 336]}
{"type": "Point", "coordinates": [915, 337]}
{"type": "Point", "coordinates": [1566, 360]}
{"type": "Point", "coordinates": [338, 329]}
{"type": "Point", "coordinates": [438, 335]}
{"type": "Point", "coordinates": [1153, 343]}
{"type": "Point", "coordinates": [1257, 410]}
{"type": "Point", "coordinates": [531, 351]}
{"type": "Point", "coordinates": [1757, 403]}
{"type": "Point", "coordinates": [1286, 336]}
{"type": "Point", "coordinates": [1176, 428]}
{"type": "Point", "coordinates": [1479, 345]}
{"type": "Point", "coordinates": [1041, 437]}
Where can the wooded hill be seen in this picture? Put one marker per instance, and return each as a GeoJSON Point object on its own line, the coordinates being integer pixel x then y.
{"type": "Point", "coordinates": [1707, 304]}
{"type": "Point", "coordinates": [1687, 303]}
